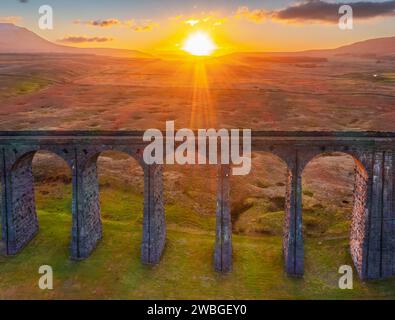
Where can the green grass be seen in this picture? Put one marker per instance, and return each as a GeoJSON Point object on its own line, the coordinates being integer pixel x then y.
{"type": "Point", "coordinates": [20, 86]}
{"type": "Point", "coordinates": [389, 77]}
{"type": "Point", "coordinates": [384, 77]}
{"type": "Point", "coordinates": [114, 270]}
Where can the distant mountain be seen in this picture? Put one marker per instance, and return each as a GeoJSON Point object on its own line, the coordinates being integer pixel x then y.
{"type": "Point", "coordinates": [14, 39]}
{"type": "Point", "coordinates": [373, 48]}
{"type": "Point", "coordinates": [379, 46]}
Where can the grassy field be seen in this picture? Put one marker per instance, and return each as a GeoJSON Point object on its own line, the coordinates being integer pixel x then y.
{"type": "Point", "coordinates": [114, 270]}
{"type": "Point", "coordinates": [15, 86]}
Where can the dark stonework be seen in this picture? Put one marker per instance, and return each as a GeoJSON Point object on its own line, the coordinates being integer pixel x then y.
{"type": "Point", "coordinates": [375, 209]}
{"type": "Point", "coordinates": [293, 251]}
{"type": "Point", "coordinates": [359, 221]}
{"type": "Point", "coordinates": [223, 239]}
{"type": "Point", "coordinates": [380, 232]}
{"type": "Point", "coordinates": [388, 218]}
{"type": "Point", "coordinates": [154, 227]}
{"type": "Point", "coordinates": [21, 223]}
{"type": "Point", "coordinates": [372, 236]}
{"type": "Point", "coordinates": [87, 227]}
{"type": "Point", "coordinates": [4, 202]}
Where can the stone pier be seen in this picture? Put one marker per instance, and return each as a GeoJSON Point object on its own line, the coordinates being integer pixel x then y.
{"type": "Point", "coordinates": [86, 225]}
{"type": "Point", "coordinates": [19, 218]}
{"type": "Point", "coordinates": [223, 240]}
{"type": "Point", "coordinates": [293, 251]}
{"type": "Point", "coordinates": [154, 227]}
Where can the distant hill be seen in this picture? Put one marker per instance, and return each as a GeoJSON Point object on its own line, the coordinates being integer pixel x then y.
{"type": "Point", "coordinates": [380, 47]}
{"type": "Point", "coordinates": [14, 39]}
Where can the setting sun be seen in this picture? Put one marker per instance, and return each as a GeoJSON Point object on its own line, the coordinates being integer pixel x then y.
{"type": "Point", "coordinates": [199, 44]}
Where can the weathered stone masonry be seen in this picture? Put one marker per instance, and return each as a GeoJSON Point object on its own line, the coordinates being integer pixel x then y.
{"type": "Point", "coordinates": [154, 227]}
{"type": "Point", "coordinates": [24, 217]}
{"type": "Point", "coordinates": [292, 239]}
{"type": "Point", "coordinates": [223, 242]}
{"type": "Point", "coordinates": [19, 219]}
{"type": "Point", "coordinates": [372, 234]}
{"type": "Point", "coordinates": [358, 223]}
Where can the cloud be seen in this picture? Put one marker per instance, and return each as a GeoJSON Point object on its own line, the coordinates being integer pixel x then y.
{"type": "Point", "coordinates": [319, 11]}
{"type": "Point", "coordinates": [10, 19]}
{"type": "Point", "coordinates": [105, 23]}
{"type": "Point", "coordinates": [141, 26]}
{"type": "Point", "coordinates": [257, 15]}
{"type": "Point", "coordinates": [204, 19]}
{"type": "Point", "coordinates": [322, 11]}
{"type": "Point", "coordinates": [135, 25]}
{"type": "Point", "coordinates": [84, 39]}
{"type": "Point", "coordinates": [192, 22]}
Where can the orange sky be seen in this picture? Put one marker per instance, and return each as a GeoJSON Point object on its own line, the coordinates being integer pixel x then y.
{"type": "Point", "coordinates": [249, 25]}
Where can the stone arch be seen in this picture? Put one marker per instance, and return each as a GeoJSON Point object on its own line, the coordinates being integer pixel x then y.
{"type": "Point", "coordinates": [20, 222]}
{"type": "Point", "coordinates": [88, 222]}
{"type": "Point", "coordinates": [89, 211]}
{"type": "Point", "coordinates": [267, 180]}
{"type": "Point", "coordinates": [119, 168]}
{"type": "Point", "coordinates": [223, 247]}
{"type": "Point", "coordinates": [360, 159]}
{"type": "Point", "coordinates": [283, 152]}
{"type": "Point", "coordinates": [89, 155]}
{"type": "Point", "coordinates": [268, 174]}
{"type": "Point", "coordinates": [89, 215]}
{"type": "Point", "coordinates": [359, 218]}
{"type": "Point", "coordinates": [192, 196]}
{"type": "Point", "coordinates": [18, 154]}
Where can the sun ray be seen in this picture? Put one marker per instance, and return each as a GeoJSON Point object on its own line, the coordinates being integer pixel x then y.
{"type": "Point", "coordinates": [202, 113]}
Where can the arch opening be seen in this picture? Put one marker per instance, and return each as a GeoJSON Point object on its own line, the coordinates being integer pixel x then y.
{"type": "Point", "coordinates": [334, 197]}
{"type": "Point", "coordinates": [190, 201]}
{"type": "Point", "coordinates": [121, 200]}
{"type": "Point", "coordinates": [258, 203]}
{"type": "Point", "coordinates": [40, 199]}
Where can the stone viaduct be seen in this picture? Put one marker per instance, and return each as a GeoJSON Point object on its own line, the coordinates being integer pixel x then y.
{"type": "Point", "coordinates": [372, 235]}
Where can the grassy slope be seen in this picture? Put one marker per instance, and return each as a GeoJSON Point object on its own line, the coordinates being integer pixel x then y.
{"type": "Point", "coordinates": [18, 86]}
{"type": "Point", "coordinates": [185, 272]}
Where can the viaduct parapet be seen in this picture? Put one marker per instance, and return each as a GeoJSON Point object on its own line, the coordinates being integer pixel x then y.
{"type": "Point", "coordinates": [372, 234]}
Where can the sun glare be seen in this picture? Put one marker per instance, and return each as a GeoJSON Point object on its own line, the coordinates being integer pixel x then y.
{"type": "Point", "coordinates": [199, 44]}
